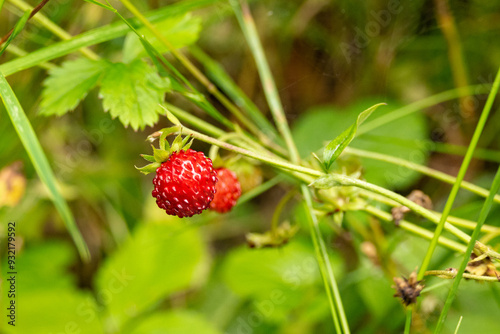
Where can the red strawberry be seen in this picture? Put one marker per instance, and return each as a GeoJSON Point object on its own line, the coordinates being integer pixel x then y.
{"type": "Point", "coordinates": [228, 191]}
{"type": "Point", "coordinates": [185, 183]}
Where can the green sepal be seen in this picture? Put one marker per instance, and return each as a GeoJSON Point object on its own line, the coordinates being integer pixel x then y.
{"type": "Point", "coordinates": [148, 168]}
{"type": "Point", "coordinates": [164, 144]}
{"type": "Point", "coordinates": [160, 155]}
{"type": "Point", "coordinates": [149, 158]}
{"type": "Point", "coordinates": [187, 146]}
{"type": "Point", "coordinates": [177, 143]}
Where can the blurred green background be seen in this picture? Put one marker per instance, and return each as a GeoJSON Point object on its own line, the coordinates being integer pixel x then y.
{"type": "Point", "coordinates": [151, 273]}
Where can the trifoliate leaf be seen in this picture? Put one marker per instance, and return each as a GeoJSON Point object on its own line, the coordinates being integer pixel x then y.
{"type": "Point", "coordinates": [180, 31]}
{"type": "Point", "coordinates": [67, 85]}
{"type": "Point", "coordinates": [132, 92]}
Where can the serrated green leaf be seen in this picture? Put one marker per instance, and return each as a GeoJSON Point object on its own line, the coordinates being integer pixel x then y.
{"type": "Point", "coordinates": [336, 146]}
{"type": "Point", "coordinates": [132, 92]}
{"type": "Point", "coordinates": [325, 182]}
{"type": "Point", "coordinates": [180, 31]}
{"type": "Point", "coordinates": [17, 29]}
{"type": "Point", "coordinates": [67, 85]}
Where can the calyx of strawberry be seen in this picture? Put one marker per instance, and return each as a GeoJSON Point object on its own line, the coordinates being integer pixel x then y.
{"type": "Point", "coordinates": [164, 151]}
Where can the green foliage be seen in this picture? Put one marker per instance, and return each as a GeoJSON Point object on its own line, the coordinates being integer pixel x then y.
{"type": "Point", "coordinates": [175, 322]}
{"type": "Point", "coordinates": [400, 138]}
{"type": "Point", "coordinates": [260, 272]}
{"type": "Point", "coordinates": [67, 85]}
{"type": "Point", "coordinates": [38, 285]}
{"type": "Point", "coordinates": [160, 259]}
{"type": "Point", "coordinates": [150, 273]}
{"type": "Point", "coordinates": [132, 92]}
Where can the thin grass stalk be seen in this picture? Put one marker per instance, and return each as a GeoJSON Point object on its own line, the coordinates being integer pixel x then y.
{"type": "Point", "coordinates": [52, 27]}
{"type": "Point", "coordinates": [421, 169]}
{"type": "Point", "coordinates": [460, 176]}
{"type": "Point", "coordinates": [415, 229]}
{"type": "Point", "coordinates": [212, 89]}
{"type": "Point", "coordinates": [332, 291]}
{"type": "Point", "coordinates": [220, 77]}
{"type": "Point", "coordinates": [247, 25]}
{"type": "Point", "coordinates": [408, 320]}
{"type": "Point", "coordinates": [96, 36]}
{"type": "Point", "coordinates": [470, 247]}
{"type": "Point", "coordinates": [422, 104]}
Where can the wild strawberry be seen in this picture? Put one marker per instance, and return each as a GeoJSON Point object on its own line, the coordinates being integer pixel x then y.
{"type": "Point", "coordinates": [185, 180]}
{"type": "Point", "coordinates": [228, 191]}
{"type": "Point", "coordinates": [185, 183]}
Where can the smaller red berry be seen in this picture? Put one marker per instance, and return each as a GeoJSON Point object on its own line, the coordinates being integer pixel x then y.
{"type": "Point", "coordinates": [185, 183]}
{"type": "Point", "coordinates": [228, 190]}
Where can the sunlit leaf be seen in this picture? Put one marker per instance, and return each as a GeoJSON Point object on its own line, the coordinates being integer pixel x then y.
{"type": "Point", "coordinates": [67, 85]}
{"type": "Point", "coordinates": [132, 92]}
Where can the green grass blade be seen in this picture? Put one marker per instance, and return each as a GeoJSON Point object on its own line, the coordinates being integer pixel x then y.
{"type": "Point", "coordinates": [271, 92]}
{"type": "Point", "coordinates": [332, 290]}
{"type": "Point", "coordinates": [458, 278]}
{"type": "Point", "coordinates": [422, 104]}
{"type": "Point", "coordinates": [37, 156]}
{"type": "Point", "coordinates": [482, 216]}
{"type": "Point", "coordinates": [461, 174]}
{"type": "Point", "coordinates": [17, 29]}
{"type": "Point", "coordinates": [220, 77]}
{"type": "Point", "coordinates": [96, 36]}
